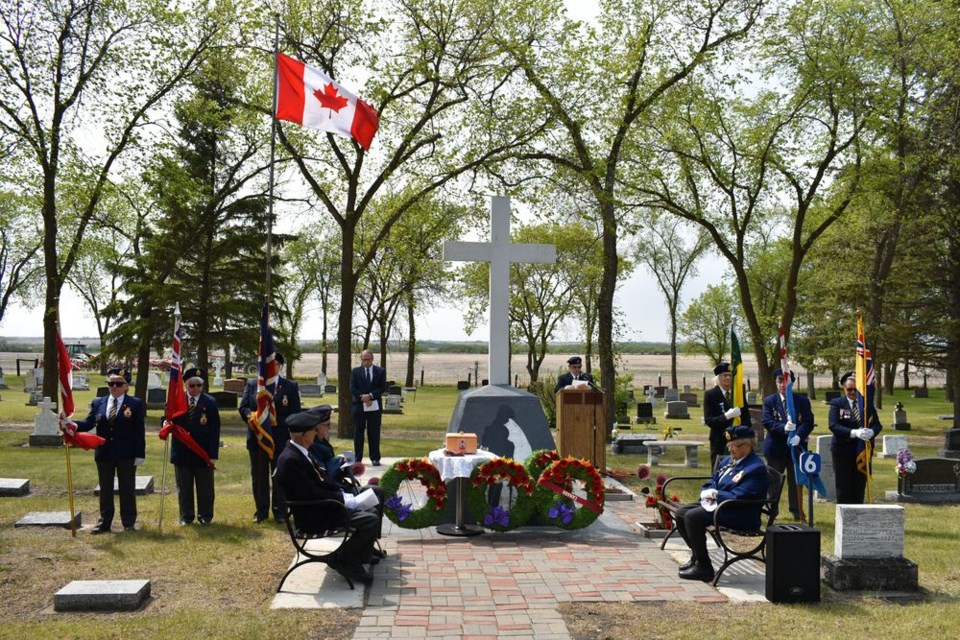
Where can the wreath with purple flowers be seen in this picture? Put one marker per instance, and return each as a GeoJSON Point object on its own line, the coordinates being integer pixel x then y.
{"type": "Point", "coordinates": [558, 505]}
{"type": "Point", "coordinates": [539, 460]}
{"type": "Point", "coordinates": [492, 473]}
{"type": "Point", "coordinates": [402, 513]}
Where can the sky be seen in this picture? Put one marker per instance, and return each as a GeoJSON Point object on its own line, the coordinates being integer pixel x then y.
{"type": "Point", "coordinates": [640, 301]}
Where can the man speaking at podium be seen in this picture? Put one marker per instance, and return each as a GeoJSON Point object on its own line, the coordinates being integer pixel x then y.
{"type": "Point", "coordinates": [574, 366]}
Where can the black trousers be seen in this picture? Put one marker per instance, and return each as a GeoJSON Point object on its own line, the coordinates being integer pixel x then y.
{"type": "Point", "coordinates": [261, 474]}
{"type": "Point", "coordinates": [851, 484]}
{"type": "Point", "coordinates": [692, 522]}
{"type": "Point", "coordinates": [126, 474]}
{"type": "Point", "coordinates": [188, 480]}
{"type": "Point", "coordinates": [785, 465]}
{"type": "Point", "coordinates": [369, 422]}
{"type": "Point", "coordinates": [358, 548]}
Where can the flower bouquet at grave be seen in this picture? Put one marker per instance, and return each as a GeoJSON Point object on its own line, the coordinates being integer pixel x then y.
{"type": "Point", "coordinates": [905, 463]}
{"type": "Point", "coordinates": [664, 520]}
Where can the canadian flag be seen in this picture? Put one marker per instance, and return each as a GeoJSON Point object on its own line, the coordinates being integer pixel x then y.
{"type": "Point", "coordinates": [311, 98]}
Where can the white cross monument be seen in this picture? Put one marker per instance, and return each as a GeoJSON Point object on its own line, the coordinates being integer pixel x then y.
{"type": "Point", "coordinates": [500, 253]}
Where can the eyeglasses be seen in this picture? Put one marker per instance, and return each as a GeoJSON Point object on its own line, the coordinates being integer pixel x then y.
{"type": "Point", "coordinates": [193, 385]}
{"type": "Point", "coordinates": [850, 389]}
{"type": "Point", "coordinates": [115, 383]}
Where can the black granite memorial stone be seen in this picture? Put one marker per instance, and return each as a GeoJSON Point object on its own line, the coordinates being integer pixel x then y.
{"type": "Point", "coordinates": [225, 399]}
{"type": "Point", "coordinates": [936, 480]}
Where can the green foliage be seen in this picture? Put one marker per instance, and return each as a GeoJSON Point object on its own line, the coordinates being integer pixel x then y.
{"type": "Point", "coordinates": [706, 322]}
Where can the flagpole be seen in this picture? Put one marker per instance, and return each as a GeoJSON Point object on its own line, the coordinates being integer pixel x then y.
{"type": "Point", "coordinates": [166, 442]}
{"type": "Point", "coordinates": [66, 446]}
{"type": "Point", "coordinates": [273, 148]}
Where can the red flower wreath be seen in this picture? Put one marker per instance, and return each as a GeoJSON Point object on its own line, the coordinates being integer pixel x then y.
{"type": "Point", "coordinates": [494, 472]}
{"type": "Point", "coordinates": [562, 510]}
{"type": "Point", "coordinates": [413, 469]}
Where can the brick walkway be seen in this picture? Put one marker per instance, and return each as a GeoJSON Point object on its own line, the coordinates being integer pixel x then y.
{"type": "Point", "coordinates": [500, 585]}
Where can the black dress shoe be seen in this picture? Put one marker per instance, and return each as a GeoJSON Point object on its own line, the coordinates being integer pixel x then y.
{"type": "Point", "coordinates": [204, 522]}
{"type": "Point", "coordinates": [689, 563]}
{"type": "Point", "coordinates": [375, 463]}
{"type": "Point", "coordinates": [184, 522]}
{"type": "Point", "coordinates": [100, 528]}
{"type": "Point", "coordinates": [697, 572]}
{"type": "Point", "coordinates": [259, 518]}
{"type": "Point", "coordinates": [129, 529]}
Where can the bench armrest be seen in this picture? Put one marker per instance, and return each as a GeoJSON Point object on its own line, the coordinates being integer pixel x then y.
{"type": "Point", "coordinates": [663, 488]}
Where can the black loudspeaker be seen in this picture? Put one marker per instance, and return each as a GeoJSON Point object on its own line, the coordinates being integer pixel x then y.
{"type": "Point", "coordinates": [793, 563]}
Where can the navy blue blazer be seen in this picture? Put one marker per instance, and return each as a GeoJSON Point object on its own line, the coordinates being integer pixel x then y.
{"type": "Point", "coordinates": [566, 379]}
{"type": "Point", "coordinates": [745, 480]}
{"type": "Point", "coordinates": [842, 423]}
{"type": "Point", "coordinates": [713, 409]}
{"type": "Point", "coordinates": [126, 438]}
{"type": "Point", "coordinates": [775, 418]}
{"type": "Point", "coordinates": [286, 400]}
{"type": "Point", "coordinates": [301, 481]}
{"type": "Point", "coordinates": [360, 385]}
{"type": "Point", "coordinates": [204, 427]}
{"type": "Point", "coordinates": [322, 450]}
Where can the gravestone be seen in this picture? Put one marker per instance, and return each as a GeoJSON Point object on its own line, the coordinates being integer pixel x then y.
{"type": "Point", "coordinates": [156, 398]}
{"type": "Point", "coordinates": [33, 381]}
{"type": "Point", "coordinates": [234, 384]}
{"type": "Point", "coordinates": [142, 485]}
{"type": "Point", "coordinates": [394, 390]}
{"type": "Point", "coordinates": [35, 398]}
{"type": "Point", "coordinates": [921, 392]}
{"type": "Point", "coordinates": [463, 385]}
{"type": "Point", "coordinates": [59, 519]}
{"type": "Point", "coordinates": [102, 595]}
{"type": "Point", "coordinates": [658, 392]}
{"type": "Point", "coordinates": [103, 391]}
{"type": "Point", "coordinates": [951, 445]}
{"type": "Point", "coordinates": [677, 409]}
{"type": "Point", "coordinates": [670, 395]}
{"type": "Point", "coordinates": [892, 444]}
{"type": "Point", "coordinates": [14, 487]}
{"type": "Point", "coordinates": [752, 397]}
{"type": "Point", "coordinates": [756, 423]}
{"type": "Point", "coordinates": [154, 381]}
{"type": "Point", "coordinates": [690, 399]}
{"type": "Point", "coordinates": [311, 391]}
{"type": "Point", "coordinates": [936, 481]}
{"type": "Point", "coordinates": [330, 388]}
{"type": "Point", "coordinates": [868, 550]}
{"type": "Point", "coordinates": [3, 382]}
{"type": "Point", "coordinates": [645, 413]}
{"type": "Point", "coordinates": [218, 377]}
{"type": "Point", "coordinates": [392, 404]}
{"type": "Point", "coordinates": [46, 430]}
{"type": "Point", "coordinates": [647, 389]}
{"type": "Point", "coordinates": [900, 419]}
{"type": "Point", "coordinates": [631, 443]}
{"type": "Point", "coordinates": [830, 396]}
{"type": "Point", "coordinates": [826, 469]}
{"type": "Point", "coordinates": [321, 379]}
{"type": "Point", "coordinates": [80, 382]}
{"type": "Point", "coordinates": [226, 399]}
{"type": "Point", "coordinates": [687, 388]}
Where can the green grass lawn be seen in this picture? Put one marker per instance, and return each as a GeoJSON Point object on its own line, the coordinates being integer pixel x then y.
{"type": "Point", "coordinates": [219, 581]}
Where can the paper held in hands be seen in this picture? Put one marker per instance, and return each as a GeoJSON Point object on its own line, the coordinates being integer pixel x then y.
{"type": "Point", "coordinates": [579, 384]}
{"type": "Point", "coordinates": [367, 499]}
{"type": "Point", "coordinates": [373, 406]}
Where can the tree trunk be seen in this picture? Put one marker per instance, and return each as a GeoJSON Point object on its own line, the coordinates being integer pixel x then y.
{"type": "Point", "coordinates": [673, 347]}
{"type": "Point", "coordinates": [811, 388]}
{"type": "Point", "coordinates": [608, 287]}
{"type": "Point", "coordinates": [411, 343]}
{"type": "Point", "coordinates": [348, 289]}
{"type": "Point", "coordinates": [889, 377]}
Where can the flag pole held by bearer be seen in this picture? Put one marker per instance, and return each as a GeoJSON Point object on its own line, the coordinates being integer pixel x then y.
{"type": "Point", "coordinates": [174, 366]}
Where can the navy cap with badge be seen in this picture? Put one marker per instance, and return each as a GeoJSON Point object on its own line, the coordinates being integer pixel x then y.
{"type": "Point", "coordinates": [845, 377]}
{"type": "Point", "coordinates": [195, 372]}
{"type": "Point", "coordinates": [119, 373]}
{"type": "Point", "coordinates": [575, 360]}
{"type": "Point", "coordinates": [723, 367]}
{"type": "Point", "coordinates": [302, 422]}
{"type": "Point", "coordinates": [740, 432]}
{"type": "Point", "coordinates": [323, 413]}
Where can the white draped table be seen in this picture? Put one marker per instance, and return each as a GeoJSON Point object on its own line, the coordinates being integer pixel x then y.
{"type": "Point", "coordinates": [458, 468]}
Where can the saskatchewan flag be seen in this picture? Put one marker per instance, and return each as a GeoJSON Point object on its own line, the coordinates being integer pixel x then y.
{"type": "Point", "coordinates": [736, 367]}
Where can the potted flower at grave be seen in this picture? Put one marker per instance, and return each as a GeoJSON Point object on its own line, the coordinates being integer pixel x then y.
{"type": "Point", "coordinates": [905, 466]}
{"type": "Point", "coordinates": [662, 523]}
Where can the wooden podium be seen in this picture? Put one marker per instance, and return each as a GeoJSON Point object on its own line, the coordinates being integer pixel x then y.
{"type": "Point", "coordinates": [580, 425]}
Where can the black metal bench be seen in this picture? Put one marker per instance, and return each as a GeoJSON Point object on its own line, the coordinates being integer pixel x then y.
{"type": "Point", "coordinates": [329, 511]}
{"type": "Point", "coordinates": [737, 545]}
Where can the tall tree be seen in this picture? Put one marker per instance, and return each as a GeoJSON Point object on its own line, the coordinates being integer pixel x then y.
{"type": "Point", "coordinates": [671, 256]}
{"type": "Point", "coordinates": [19, 249]}
{"type": "Point", "coordinates": [705, 324]}
{"type": "Point", "coordinates": [78, 66]}
{"type": "Point", "coordinates": [639, 52]}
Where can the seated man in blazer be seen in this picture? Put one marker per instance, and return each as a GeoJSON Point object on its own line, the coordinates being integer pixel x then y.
{"type": "Point", "coordinates": [302, 478]}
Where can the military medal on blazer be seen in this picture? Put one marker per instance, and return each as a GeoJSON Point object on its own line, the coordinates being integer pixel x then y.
{"type": "Point", "coordinates": [127, 413]}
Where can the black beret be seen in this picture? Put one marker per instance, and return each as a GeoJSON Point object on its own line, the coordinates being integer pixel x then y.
{"type": "Point", "coordinates": [723, 367]}
{"type": "Point", "coordinates": [123, 373]}
{"type": "Point", "coordinates": [575, 360]}
{"type": "Point", "coordinates": [740, 433]}
{"type": "Point", "coordinates": [779, 374]}
{"type": "Point", "coordinates": [845, 377]}
{"type": "Point", "coordinates": [302, 422]}
{"type": "Point", "coordinates": [194, 372]}
{"type": "Point", "coordinates": [278, 357]}
{"type": "Point", "coordinates": [323, 413]}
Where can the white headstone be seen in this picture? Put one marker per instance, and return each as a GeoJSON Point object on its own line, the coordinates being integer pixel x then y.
{"type": "Point", "coordinates": [80, 382]}
{"type": "Point", "coordinates": [30, 382]}
{"type": "Point", "coordinates": [892, 444]}
{"type": "Point", "coordinates": [826, 469]}
{"type": "Point", "coordinates": [218, 378]}
{"type": "Point", "coordinates": [500, 253]}
{"type": "Point", "coordinates": [321, 379]}
{"type": "Point", "coordinates": [153, 381]}
{"type": "Point", "coordinates": [869, 531]}
{"type": "Point", "coordinates": [45, 422]}
{"type": "Point", "coordinates": [3, 383]}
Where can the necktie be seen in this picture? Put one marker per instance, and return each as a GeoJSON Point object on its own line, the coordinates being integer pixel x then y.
{"type": "Point", "coordinates": [856, 413]}
{"type": "Point", "coordinates": [316, 465]}
{"type": "Point", "coordinates": [113, 411]}
{"type": "Point", "coordinates": [370, 374]}
{"type": "Point", "coordinates": [193, 407]}
{"type": "Point", "coordinates": [726, 399]}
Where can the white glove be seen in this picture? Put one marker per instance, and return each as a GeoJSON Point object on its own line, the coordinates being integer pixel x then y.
{"type": "Point", "coordinates": [789, 426]}
{"type": "Point", "coordinates": [794, 440]}
{"type": "Point", "coordinates": [68, 426]}
{"type": "Point", "coordinates": [137, 462]}
{"type": "Point", "coordinates": [858, 433]}
{"type": "Point", "coordinates": [708, 494]}
{"type": "Point", "coordinates": [866, 434]}
{"type": "Point", "coordinates": [732, 413]}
